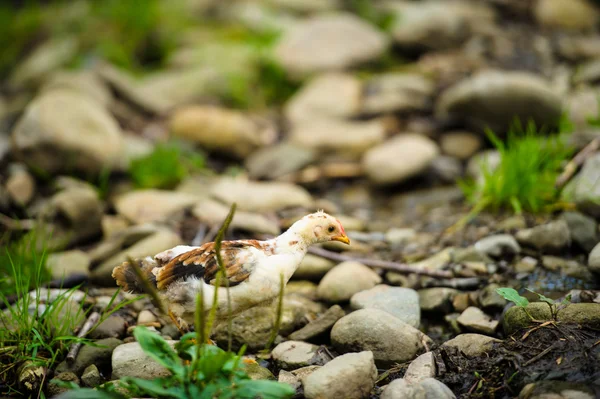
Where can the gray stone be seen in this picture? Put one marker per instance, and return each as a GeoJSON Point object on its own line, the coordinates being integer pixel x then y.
{"type": "Point", "coordinates": [475, 320]}
{"type": "Point", "coordinates": [292, 355]}
{"type": "Point", "coordinates": [350, 376]}
{"type": "Point", "coordinates": [472, 345]}
{"type": "Point", "coordinates": [129, 360]}
{"type": "Point", "coordinates": [421, 368]}
{"type": "Point", "coordinates": [345, 280]}
{"type": "Point", "coordinates": [489, 298]}
{"type": "Point", "coordinates": [499, 245]}
{"type": "Point", "coordinates": [98, 355]}
{"type": "Point", "coordinates": [313, 267]}
{"type": "Point", "coordinates": [91, 376]}
{"type": "Point", "coordinates": [399, 158]}
{"type": "Point", "coordinates": [549, 237]}
{"type": "Point", "coordinates": [390, 339]}
{"type": "Point", "coordinates": [551, 389]}
{"type": "Point", "coordinates": [584, 189]}
{"type": "Point", "coordinates": [583, 230]}
{"type": "Point", "coordinates": [114, 326]}
{"type": "Point", "coordinates": [316, 329]}
{"type": "Point", "coordinates": [426, 388]}
{"type": "Point", "coordinates": [438, 299]}
{"type": "Point", "coordinates": [494, 99]}
{"type": "Point", "coordinates": [402, 303]}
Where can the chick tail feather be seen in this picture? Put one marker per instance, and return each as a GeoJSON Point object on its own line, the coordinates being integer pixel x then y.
{"type": "Point", "coordinates": [126, 277]}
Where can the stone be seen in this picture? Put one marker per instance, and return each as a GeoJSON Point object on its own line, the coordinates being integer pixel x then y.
{"type": "Point", "coordinates": [84, 82]}
{"type": "Point", "coordinates": [114, 326]}
{"type": "Point", "coordinates": [390, 339]}
{"type": "Point", "coordinates": [225, 131]}
{"type": "Point", "coordinates": [55, 389]}
{"type": "Point", "coordinates": [68, 263]}
{"type": "Point", "coordinates": [349, 376]}
{"type": "Point", "coordinates": [472, 345]}
{"type": "Point", "coordinates": [320, 327]}
{"type": "Point", "coordinates": [515, 317]}
{"type": "Point", "coordinates": [399, 158]}
{"type": "Point", "coordinates": [98, 355]}
{"type": "Point", "coordinates": [437, 299]}
{"type": "Point", "coordinates": [489, 298]}
{"type": "Point", "coordinates": [144, 206]}
{"type": "Point", "coordinates": [549, 237]}
{"type": "Point", "coordinates": [295, 377]}
{"type": "Point", "coordinates": [213, 213]}
{"type": "Point", "coordinates": [584, 189]}
{"type": "Point", "coordinates": [575, 15]}
{"type": "Point", "coordinates": [396, 92]}
{"type": "Point", "coordinates": [329, 42]}
{"type": "Point", "coordinates": [129, 360]}
{"type": "Point", "coordinates": [278, 160]}
{"type": "Point", "coordinates": [583, 230]}
{"type": "Point", "coordinates": [91, 376]}
{"type": "Point", "coordinates": [462, 145]}
{"type": "Point", "coordinates": [421, 368]}
{"type": "Point", "coordinates": [403, 303]}
{"type": "Point", "coordinates": [426, 388]}
{"type": "Point", "coordinates": [475, 320]}
{"type": "Point", "coordinates": [345, 280]}
{"type": "Point", "coordinates": [498, 246]}
{"type": "Point", "coordinates": [313, 267]}
{"type": "Point", "coordinates": [20, 185]}
{"type": "Point", "coordinates": [291, 355]}
{"type": "Point", "coordinates": [552, 389]}
{"type": "Point", "coordinates": [260, 196]}
{"type": "Point", "coordinates": [62, 130]}
{"type": "Point", "coordinates": [494, 99]}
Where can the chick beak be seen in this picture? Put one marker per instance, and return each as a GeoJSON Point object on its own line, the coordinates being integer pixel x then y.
{"type": "Point", "coordinates": [343, 238]}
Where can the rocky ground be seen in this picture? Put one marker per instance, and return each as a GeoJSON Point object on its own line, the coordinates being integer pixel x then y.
{"type": "Point", "coordinates": [380, 127]}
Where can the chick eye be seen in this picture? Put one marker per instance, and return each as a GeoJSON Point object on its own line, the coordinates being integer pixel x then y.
{"type": "Point", "coordinates": [330, 229]}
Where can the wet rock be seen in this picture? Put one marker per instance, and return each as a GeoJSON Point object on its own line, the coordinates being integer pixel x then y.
{"type": "Point", "coordinates": [54, 388]}
{"type": "Point", "coordinates": [313, 267]}
{"type": "Point", "coordinates": [421, 368]}
{"type": "Point", "coordinates": [91, 376]}
{"type": "Point", "coordinates": [576, 15]}
{"type": "Point", "coordinates": [65, 264]}
{"type": "Point", "coordinates": [256, 372]}
{"type": "Point", "coordinates": [114, 326]}
{"type": "Point", "coordinates": [295, 377]}
{"type": "Point", "coordinates": [475, 320]}
{"type": "Point", "coordinates": [98, 355]}
{"type": "Point", "coordinates": [584, 189]}
{"type": "Point", "coordinates": [345, 280]}
{"type": "Point", "coordinates": [550, 389]}
{"type": "Point", "coordinates": [350, 376]}
{"type": "Point", "coordinates": [129, 360]}
{"type": "Point", "coordinates": [84, 82]}
{"type": "Point", "coordinates": [278, 160]}
{"type": "Point", "coordinates": [329, 42]}
{"type": "Point", "coordinates": [225, 131]}
{"type": "Point", "coordinates": [427, 388]}
{"type": "Point", "coordinates": [213, 213]}
{"type": "Point", "coordinates": [20, 185]}
{"type": "Point", "coordinates": [489, 298]}
{"type": "Point", "coordinates": [583, 230]}
{"type": "Point", "coordinates": [319, 327]}
{"type": "Point", "coordinates": [291, 355]}
{"type": "Point", "coordinates": [549, 237]}
{"type": "Point", "coordinates": [516, 318]}
{"type": "Point", "coordinates": [494, 99]}
{"type": "Point", "coordinates": [462, 145]}
{"type": "Point", "coordinates": [498, 246]}
{"type": "Point", "coordinates": [399, 158]}
{"type": "Point", "coordinates": [472, 345]}
{"type": "Point", "coordinates": [402, 303]}
{"type": "Point", "coordinates": [151, 205]}
{"type": "Point", "coordinates": [390, 339]}
{"type": "Point", "coordinates": [49, 134]}
{"type": "Point", "coordinates": [396, 92]}
{"type": "Point", "coordinates": [261, 196]}
{"type": "Point", "coordinates": [438, 299]}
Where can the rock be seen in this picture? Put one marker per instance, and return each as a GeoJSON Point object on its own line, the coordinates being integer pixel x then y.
{"type": "Point", "coordinates": [65, 264]}
{"type": "Point", "coordinates": [329, 42]}
{"type": "Point", "coordinates": [515, 317]}
{"type": "Point", "coordinates": [462, 145]}
{"type": "Point", "coordinates": [316, 329]}
{"type": "Point", "coordinates": [575, 15]}
{"type": "Point", "coordinates": [438, 299]}
{"type": "Point", "coordinates": [583, 230]}
{"type": "Point", "coordinates": [475, 320]}
{"type": "Point", "coordinates": [472, 345]}
{"type": "Point", "coordinates": [403, 303]}
{"type": "Point", "coordinates": [256, 372]}
{"type": "Point", "coordinates": [396, 92]}
{"type": "Point", "coordinates": [295, 377]}
{"type": "Point", "coordinates": [390, 339]}
{"type": "Point", "coordinates": [494, 99]}
{"type": "Point", "coordinates": [83, 82]}
{"type": "Point", "coordinates": [20, 185]}
{"type": "Point", "coordinates": [313, 267]}
{"type": "Point", "coordinates": [224, 131]}
{"type": "Point", "coordinates": [426, 388]}
{"type": "Point", "coordinates": [98, 355]}
{"type": "Point", "coordinates": [584, 189]}
{"type": "Point", "coordinates": [129, 360]}
{"type": "Point", "coordinates": [143, 206]}
{"type": "Point", "coordinates": [345, 280]}
{"type": "Point", "coordinates": [421, 368]}
{"type": "Point", "coordinates": [498, 246]}
{"type": "Point", "coordinates": [62, 130]}
{"type": "Point", "coordinates": [551, 389]}
{"type": "Point", "coordinates": [261, 196]}
{"type": "Point", "coordinates": [91, 376]}
{"type": "Point", "coordinates": [114, 326]}
{"type": "Point", "coordinates": [400, 158]}
{"type": "Point", "coordinates": [278, 160]}
{"type": "Point", "coordinates": [437, 25]}
{"type": "Point", "coordinates": [348, 138]}
{"type": "Point", "coordinates": [350, 376]}
{"type": "Point", "coordinates": [291, 355]}
{"type": "Point", "coordinates": [550, 237]}
{"type": "Point", "coordinates": [149, 246]}
{"type": "Point", "coordinates": [55, 389]}
{"type": "Point", "coordinates": [489, 298]}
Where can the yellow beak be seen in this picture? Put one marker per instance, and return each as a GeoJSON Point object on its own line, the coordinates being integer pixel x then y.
{"type": "Point", "coordinates": [343, 238]}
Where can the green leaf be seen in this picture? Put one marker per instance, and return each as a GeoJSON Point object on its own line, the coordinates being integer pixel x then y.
{"type": "Point", "coordinates": [250, 389]}
{"type": "Point", "coordinates": [158, 349]}
{"type": "Point", "coordinates": [512, 295]}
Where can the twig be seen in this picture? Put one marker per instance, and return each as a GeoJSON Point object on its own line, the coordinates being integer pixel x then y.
{"type": "Point", "coordinates": [383, 264]}
{"type": "Point", "coordinates": [576, 162]}
{"type": "Point", "coordinates": [87, 326]}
